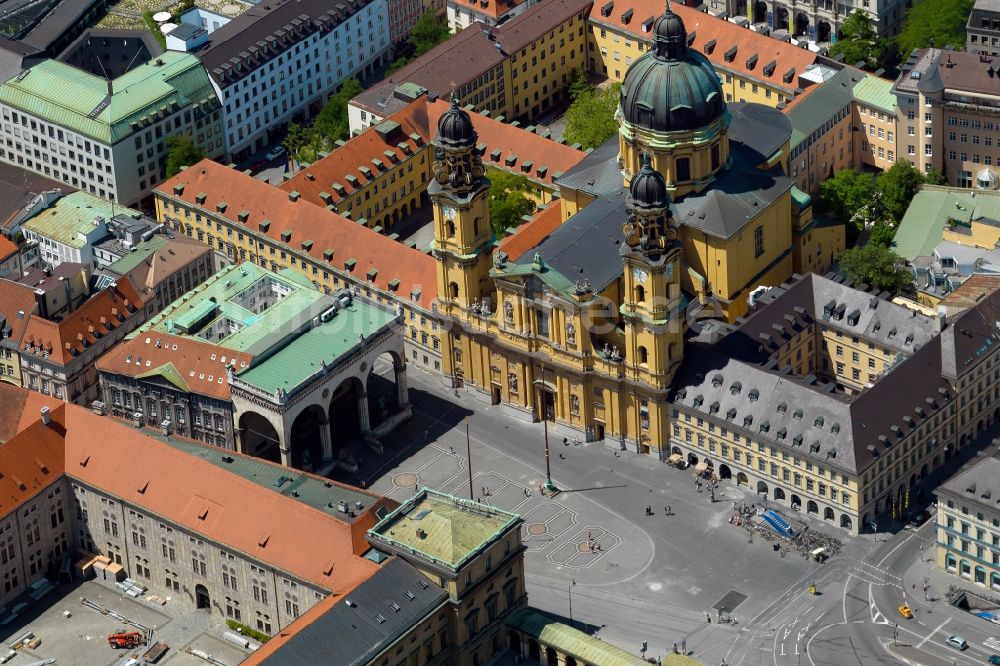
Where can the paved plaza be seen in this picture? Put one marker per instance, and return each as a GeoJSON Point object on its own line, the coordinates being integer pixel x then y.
{"type": "Point", "coordinates": [591, 551]}
{"type": "Point", "coordinates": [72, 633]}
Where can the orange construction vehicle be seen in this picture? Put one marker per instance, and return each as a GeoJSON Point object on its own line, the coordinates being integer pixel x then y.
{"type": "Point", "coordinates": [126, 640]}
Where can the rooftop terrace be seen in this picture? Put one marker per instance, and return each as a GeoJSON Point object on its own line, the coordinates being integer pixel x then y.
{"type": "Point", "coordinates": [443, 528]}
{"type": "Point", "coordinates": [242, 308]}
{"type": "Point", "coordinates": [72, 215]}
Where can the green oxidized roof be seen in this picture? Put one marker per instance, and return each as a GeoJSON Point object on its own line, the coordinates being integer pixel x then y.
{"type": "Point", "coordinates": [138, 254]}
{"type": "Point", "coordinates": [217, 300]}
{"type": "Point", "coordinates": [922, 227]}
{"type": "Point", "coordinates": [169, 372]}
{"type": "Point", "coordinates": [72, 215]}
{"type": "Point", "coordinates": [875, 92]}
{"type": "Point", "coordinates": [453, 529]}
{"type": "Point", "coordinates": [567, 640]}
{"type": "Point", "coordinates": [73, 98]}
{"type": "Point", "coordinates": [304, 356]}
{"type": "Point", "coordinates": [801, 199]}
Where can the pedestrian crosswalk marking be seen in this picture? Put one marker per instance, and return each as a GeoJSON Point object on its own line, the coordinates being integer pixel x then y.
{"type": "Point", "coordinates": [992, 643]}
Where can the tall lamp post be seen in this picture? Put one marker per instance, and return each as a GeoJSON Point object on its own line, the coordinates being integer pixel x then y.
{"type": "Point", "coordinates": [551, 487]}
{"type": "Point", "coordinates": [468, 456]}
{"type": "Point", "coordinates": [569, 590]}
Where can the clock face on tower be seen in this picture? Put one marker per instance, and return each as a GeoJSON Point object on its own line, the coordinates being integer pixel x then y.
{"type": "Point", "coordinates": [639, 275]}
{"type": "Point", "coordinates": [449, 213]}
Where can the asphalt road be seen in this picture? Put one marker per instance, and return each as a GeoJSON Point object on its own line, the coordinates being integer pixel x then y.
{"type": "Point", "coordinates": [659, 575]}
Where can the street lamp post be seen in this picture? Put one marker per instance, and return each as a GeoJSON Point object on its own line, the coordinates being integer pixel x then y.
{"type": "Point", "coordinates": [569, 590]}
{"type": "Point", "coordinates": [468, 456]}
{"type": "Point", "coordinates": [551, 487]}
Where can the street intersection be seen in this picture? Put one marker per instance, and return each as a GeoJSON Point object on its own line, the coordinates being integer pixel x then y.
{"type": "Point", "coordinates": [594, 558]}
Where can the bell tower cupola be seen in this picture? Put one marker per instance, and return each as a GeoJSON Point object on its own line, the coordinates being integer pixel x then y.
{"type": "Point", "coordinates": [652, 306]}
{"type": "Point", "coordinates": [463, 236]}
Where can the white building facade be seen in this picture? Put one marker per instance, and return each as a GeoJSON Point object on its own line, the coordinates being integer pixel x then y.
{"type": "Point", "coordinates": [273, 69]}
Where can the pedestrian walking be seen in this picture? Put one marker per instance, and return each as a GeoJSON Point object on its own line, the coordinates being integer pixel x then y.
{"type": "Point", "coordinates": [427, 435]}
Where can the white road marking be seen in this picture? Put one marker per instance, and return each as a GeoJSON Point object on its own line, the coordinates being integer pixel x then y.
{"type": "Point", "coordinates": [930, 635]}
{"type": "Point", "coordinates": [992, 643]}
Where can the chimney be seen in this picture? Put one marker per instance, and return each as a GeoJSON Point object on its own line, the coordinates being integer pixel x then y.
{"type": "Point", "coordinates": [940, 322]}
{"type": "Point", "coordinates": [46, 416]}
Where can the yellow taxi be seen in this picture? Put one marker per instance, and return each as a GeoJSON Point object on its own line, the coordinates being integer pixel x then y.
{"type": "Point", "coordinates": [905, 611]}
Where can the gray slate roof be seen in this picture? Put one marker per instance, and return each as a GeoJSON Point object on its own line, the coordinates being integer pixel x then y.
{"type": "Point", "coordinates": [597, 173]}
{"type": "Point", "coordinates": [352, 634]}
{"type": "Point", "coordinates": [586, 246]}
{"type": "Point", "coordinates": [761, 129]}
{"type": "Point", "coordinates": [732, 382]}
{"type": "Point", "coordinates": [811, 113]}
{"type": "Point", "coordinates": [979, 484]}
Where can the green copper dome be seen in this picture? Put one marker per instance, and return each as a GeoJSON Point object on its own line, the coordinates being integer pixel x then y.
{"type": "Point", "coordinates": [671, 88]}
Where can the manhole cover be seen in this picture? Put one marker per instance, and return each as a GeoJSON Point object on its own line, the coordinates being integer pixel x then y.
{"type": "Point", "coordinates": [536, 529]}
{"type": "Point", "coordinates": [404, 480]}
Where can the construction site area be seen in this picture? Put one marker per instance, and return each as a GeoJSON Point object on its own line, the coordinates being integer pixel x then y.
{"type": "Point", "coordinates": [95, 622]}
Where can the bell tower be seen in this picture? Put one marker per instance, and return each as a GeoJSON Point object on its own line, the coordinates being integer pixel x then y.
{"type": "Point", "coordinates": [463, 236]}
{"type": "Point", "coordinates": [652, 305]}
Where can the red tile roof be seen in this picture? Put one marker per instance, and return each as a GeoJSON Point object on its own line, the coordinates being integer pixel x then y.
{"type": "Point", "coordinates": [211, 501]}
{"type": "Point", "coordinates": [327, 231]}
{"type": "Point", "coordinates": [317, 181]}
{"type": "Point", "coordinates": [515, 149]}
{"type": "Point", "coordinates": [7, 247]}
{"type": "Point", "coordinates": [725, 35]}
{"type": "Point", "coordinates": [199, 365]}
{"type": "Point", "coordinates": [530, 154]}
{"type": "Point", "coordinates": [20, 408]}
{"type": "Point", "coordinates": [31, 461]}
{"type": "Point", "coordinates": [83, 327]}
{"type": "Point", "coordinates": [17, 303]}
{"type": "Point", "coordinates": [530, 234]}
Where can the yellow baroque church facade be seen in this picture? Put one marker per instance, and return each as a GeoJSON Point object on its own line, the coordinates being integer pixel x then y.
{"type": "Point", "coordinates": [677, 219]}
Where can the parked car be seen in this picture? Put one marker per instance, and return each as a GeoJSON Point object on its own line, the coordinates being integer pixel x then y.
{"type": "Point", "coordinates": [994, 660]}
{"type": "Point", "coordinates": [257, 166]}
{"type": "Point", "coordinates": [956, 642]}
{"type": "Point", "coordinates": [920, 518]}
{"type": "Point", "coordinates": [275, 153]}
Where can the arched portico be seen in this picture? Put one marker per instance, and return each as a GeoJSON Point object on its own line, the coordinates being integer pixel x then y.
{"type": "Point", "coordinates": [329, 404]}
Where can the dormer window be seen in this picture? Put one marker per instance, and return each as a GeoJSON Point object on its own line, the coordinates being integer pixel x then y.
{"type": "Point", "coordinates": [747, 421]}
{"type": "Point", "coordinates": [818, 422]}
{"type": "Point", "coordinates": [797, 440]}
{"type": "Point", "coordinates": [782, 408]}
{"type": "Point", "coordinates": [735, 388]}
{"type": "Point", "coordinates": [753, 395]}
{"type": "Point", "coordinates": [714, 407]}
{"type": "Point", "coordinates": [699, 399]}
{"type": "Point", "coordinates": [717, 381]}
{"type": "Point", "coordinates": [765, 426]}
{"type": "Point", "coordinates": [797, 415]}
{"type": "Point", "coordinates": [835, 428]}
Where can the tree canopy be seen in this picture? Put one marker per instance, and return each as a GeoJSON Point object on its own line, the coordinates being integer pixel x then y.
{"type": "Point", "coordinates": [858, 41]}
{"type": "Point", "coordinates": [875, 265]}
{"type": "Point", "coordinates": [590, 118]}
{"type": "Point", "coordinates": [845, 193]}
{"type": "Point", "coordinates": [427, 32]}
{"type": "Point", "coordinates": [329, 125]}
{"type": "Point", "coordinates": [934, 23]}
{"type": "Point", "coordinates": [509, 200]}
{"type": "Point", "coordinates": [898, 185]}
{"type": "Point", "coordinates": [182, 152]}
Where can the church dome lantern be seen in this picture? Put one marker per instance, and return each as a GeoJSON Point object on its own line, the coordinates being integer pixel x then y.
{"type": "Point", "coordinates": [455, 129]}
{"type": "Point", "coordinates": [671, 88]}
{"type": "Point", "coordinates": [648, 189]}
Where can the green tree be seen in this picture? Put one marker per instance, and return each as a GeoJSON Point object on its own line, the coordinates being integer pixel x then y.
{"type": "Point", "coordinates": [396, 65]}
{"type": "Point", "coordinates": [882, 235]}
{"type": "Point", "coordinates": [590, 119]}
{"type": "Point", "coordinates": [579, 84]}
{"type": "Point", "coordinates": [875, 265]}
{"type": "Point", "coordinates": [428, 32]}
{"type": "Point", "coordinates": [509, 200]}
{"type": "Point", "coordinates": [857, 40]}
{"type": "Point", "coordinates": [937, 23]}
{"type": "Point", "coordinates": [935, 178]}
{"type": "Point", "coordinates": [296, 137]}
{"type": "Point", "coordinates": [182, 152]}
{"type": "Point", "coordinates": [845, 193]}
{"type": "Point", "coordinates": [332, 123]}
{"type": "Point", "coordinates": [898, 185]}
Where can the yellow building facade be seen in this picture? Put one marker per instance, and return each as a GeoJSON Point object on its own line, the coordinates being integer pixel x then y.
{"type": "Point", "coordinates": [590, 338]}
{"type": "Point", "coordinates": [751, 67]}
